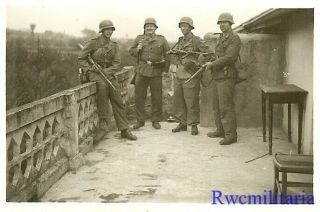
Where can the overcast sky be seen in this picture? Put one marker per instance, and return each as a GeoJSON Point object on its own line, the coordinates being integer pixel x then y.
{"type": "Point", "coordinates": [127, 16]}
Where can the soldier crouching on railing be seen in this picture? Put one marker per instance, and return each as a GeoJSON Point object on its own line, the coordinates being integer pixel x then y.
{"type": "Point", "coordinates": [105, 54]}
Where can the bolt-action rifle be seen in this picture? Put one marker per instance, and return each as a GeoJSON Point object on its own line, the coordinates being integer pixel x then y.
{"type": "Point", "coordinates": [200, 70]}
{"type": "Point", "coordinates": [177, 51]}
{"type": "Point", "coordinates": [97, 68]}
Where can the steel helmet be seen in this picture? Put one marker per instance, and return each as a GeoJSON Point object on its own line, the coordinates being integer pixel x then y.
{"type": "Point", "coordinates": [186, 20]}
{"type": "Point", "coordinates": [105, 24]}
{"type": "Point", "coordinates": [225, 17]}
{"type": "Point", "coordinates": [150, 21]}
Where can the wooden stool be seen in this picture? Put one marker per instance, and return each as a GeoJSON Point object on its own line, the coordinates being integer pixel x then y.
{"type": "Point", "coordinates": [302, 164]}
{"type": "Point", "coordinates": [282, 94]}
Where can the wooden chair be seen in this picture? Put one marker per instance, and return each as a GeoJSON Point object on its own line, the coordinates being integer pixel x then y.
{"type": "Point", "coordinates": [285, 163]}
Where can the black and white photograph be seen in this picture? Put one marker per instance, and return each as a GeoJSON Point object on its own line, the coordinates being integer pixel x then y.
{"type": "Point", "coordinates": [137, 103]}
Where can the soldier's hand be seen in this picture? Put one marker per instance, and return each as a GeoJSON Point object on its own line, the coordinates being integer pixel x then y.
{"type": "Point", "coordinates": [208, 66]}
{"type": "Point", "coordinates": [140, 45]}
{"type": "Point", "coordinates": [94, 68]}
{"type": "Point", "coordinates": [170, 51]}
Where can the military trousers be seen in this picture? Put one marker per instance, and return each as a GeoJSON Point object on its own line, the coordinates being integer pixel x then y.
{"type": "Point", "coordinates": [141, 86]}
{"type": "Point", "coordinates": [104, 93]}
{"type": "Point", "coordinates": [224, 108]}
{"type": "Point", "coordinates": [186, 107]}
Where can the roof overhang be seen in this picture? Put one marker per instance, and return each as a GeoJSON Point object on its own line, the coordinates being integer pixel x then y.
{"type": "Point", "coordinates": [265, 19]}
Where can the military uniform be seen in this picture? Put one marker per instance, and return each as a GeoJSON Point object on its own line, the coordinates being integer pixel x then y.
{"type": "Point", "coordinates": [152, 61]}
{"type": "Point", "coordinates": [186, 106]}
{"type": "Point", "coordinates": [106, 53]}
{"type": "Point", "coordinates": [224, 74]}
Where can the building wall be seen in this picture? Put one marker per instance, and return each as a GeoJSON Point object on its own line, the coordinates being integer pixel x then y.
{"type": "Point", "coordinates": [299, 66]}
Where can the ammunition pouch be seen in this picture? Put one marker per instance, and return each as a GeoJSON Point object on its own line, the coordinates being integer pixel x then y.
{"type": "Point", "coordinates": [225, 73]}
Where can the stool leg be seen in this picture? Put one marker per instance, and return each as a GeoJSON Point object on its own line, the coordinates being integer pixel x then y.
{"type": "Point", "coordinates": [263, 99]}
{"type": "Point", "coordinates": [275, 186]}
{"type": "Point", "coordinates": [270, 126]}
{"type": "Point", "coordinates": [300, 107]}
{"type": "Point", "coordinates": [284, 187]}
{"type": "Point", "coordinates": [289, 122]}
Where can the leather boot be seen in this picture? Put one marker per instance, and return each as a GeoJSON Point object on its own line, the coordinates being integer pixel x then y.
{"type": "Point", "coordinates": [215, 134]}
{"type": "Point", "coordinates": [156, 125]}
{"type": "Point", "coordinates": [138, 124]}
{"type": "Point", "coordinates": [194, 130]}
{"type": "Point", "coordinates": [226, 141]}
{"type": "Point", "coordinates": [127, 134]}
{"type": "Point", "coordinates": [180, 127]}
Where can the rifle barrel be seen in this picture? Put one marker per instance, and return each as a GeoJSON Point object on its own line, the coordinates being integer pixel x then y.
{"type": "Point", "coordinates": [188, 52]}
{"type": "Point", "coordinates": [99, 69]}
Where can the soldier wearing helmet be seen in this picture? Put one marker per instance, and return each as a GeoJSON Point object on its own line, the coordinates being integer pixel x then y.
{"type": "Point", "coordinates": [186, 106]}
{"type": "Point", "coordinates": [150, 50]}
{"type": "Point", "coordinates": [225, 75]}
{"type": "Point", "coordinates": [105, 52]}
{"type": "Point", "coordinates": [106, 24]}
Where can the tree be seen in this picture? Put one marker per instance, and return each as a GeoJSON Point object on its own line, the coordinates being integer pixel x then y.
{"type": "Point", "coordinates": [89, 33]}
{"type": "Point", "coordinates": [32, 27]}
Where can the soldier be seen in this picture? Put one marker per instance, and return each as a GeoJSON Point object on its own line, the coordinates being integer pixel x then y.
{"type": "Point", "coordinates": [186, 106]}
{"type": "Point", "coordinates": [106, 53]}
{"type": "Point", "coordinates": [150, 50]}
{"type": "Point", "coordinates": [225, 75]}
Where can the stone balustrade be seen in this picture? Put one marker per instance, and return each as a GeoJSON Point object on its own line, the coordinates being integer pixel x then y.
{"type": "Point", "coordinates": [48, 137]}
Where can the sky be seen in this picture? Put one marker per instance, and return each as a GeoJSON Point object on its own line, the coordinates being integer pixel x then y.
{"type": "Point", "coordinates": [128, 17]}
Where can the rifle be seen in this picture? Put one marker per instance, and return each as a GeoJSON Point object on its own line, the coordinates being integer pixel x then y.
{"type": "Point", "coordinates": [98, 68]}
{"type": "Point", "coordinates": [199, 71]}
{"type": "Point", "coordinates": [176, 51]}
{"type": "Point", "coordinates": [133, 79]}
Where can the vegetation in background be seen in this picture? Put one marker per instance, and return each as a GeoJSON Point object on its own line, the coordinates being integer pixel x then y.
{"type": "Point", "coordinates": [42, 64]}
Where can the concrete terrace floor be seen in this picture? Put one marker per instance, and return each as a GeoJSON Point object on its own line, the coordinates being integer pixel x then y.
{"type": "Point", "coordinates": [162, 166]}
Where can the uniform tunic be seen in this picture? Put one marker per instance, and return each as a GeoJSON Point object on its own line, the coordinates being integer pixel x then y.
{"type": "Point", "coordinates": [149, 73]}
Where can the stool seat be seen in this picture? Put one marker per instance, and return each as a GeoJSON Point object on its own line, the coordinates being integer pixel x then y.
{"type": "Point", "coordinates": [294, 163]}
